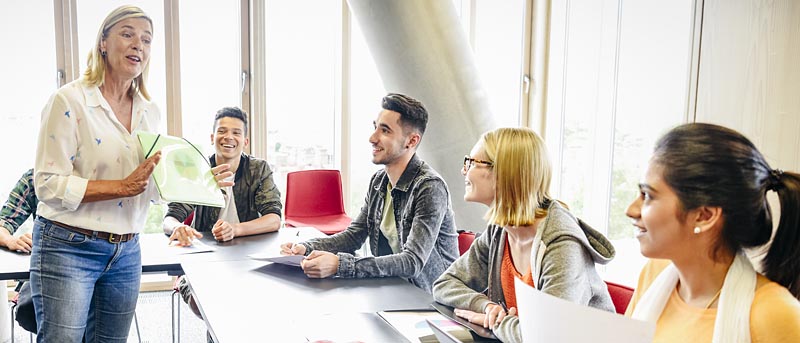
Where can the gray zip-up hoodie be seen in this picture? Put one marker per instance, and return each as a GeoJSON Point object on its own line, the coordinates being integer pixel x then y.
{"type": "Point", "coordinates": [563, 259]}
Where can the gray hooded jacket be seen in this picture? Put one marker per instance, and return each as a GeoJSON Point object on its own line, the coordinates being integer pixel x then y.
{"type": "Point", "coordinates": [563, 259]}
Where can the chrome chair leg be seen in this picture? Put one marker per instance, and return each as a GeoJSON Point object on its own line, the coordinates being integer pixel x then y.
{"type": "Point", "coordinates": [13, 307]}
{"type": "Point", "coordinates": [13, 327]}
{"type": "Point", "coordinates": [136, 321]}
{"type": "Point", "coordinates": [176, 317]}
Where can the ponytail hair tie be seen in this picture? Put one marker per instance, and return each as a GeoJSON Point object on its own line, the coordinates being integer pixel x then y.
{"type": "Point", "coordinates": [775, 180]}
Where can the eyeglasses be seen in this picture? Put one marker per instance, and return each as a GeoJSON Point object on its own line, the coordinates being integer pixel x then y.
{"type": "Point", "coordinates": [469, 162]}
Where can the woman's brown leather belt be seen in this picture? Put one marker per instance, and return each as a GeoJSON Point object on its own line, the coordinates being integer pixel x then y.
{"type": "Point", "coordinates": [111, 237]}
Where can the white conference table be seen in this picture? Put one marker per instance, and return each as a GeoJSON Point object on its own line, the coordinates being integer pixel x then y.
{"type": "Point", "coordinates": [159, 256]}
{"type": "Point", "coordinates": [247, 300]}
{"type": "Point", "coordinates": [256, 301]}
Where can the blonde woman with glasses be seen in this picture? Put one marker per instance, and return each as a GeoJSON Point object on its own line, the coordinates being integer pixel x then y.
{"type": "Point", "coordinates": [529, 236]}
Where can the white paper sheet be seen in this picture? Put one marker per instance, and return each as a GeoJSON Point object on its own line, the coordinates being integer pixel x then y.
{"type": "Point", "coordinates": [289, 260]}
{"type": "Point", "coordinates": [157, 249]}
{"type": "Point", "coordinates": [545, 318]}
{"type": "Point", "coordinates": [197, 247]}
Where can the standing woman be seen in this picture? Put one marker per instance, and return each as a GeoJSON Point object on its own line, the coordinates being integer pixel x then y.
{"type": "Point", "coordinates": [91, 179]}
{"type": "Point", "coordinates": [530, 236]}
{"type": "Point", "coordinates": [703, 200]}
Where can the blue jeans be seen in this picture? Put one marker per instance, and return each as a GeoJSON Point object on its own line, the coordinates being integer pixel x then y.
{"type": "Point", "coordinates": [83, 287]}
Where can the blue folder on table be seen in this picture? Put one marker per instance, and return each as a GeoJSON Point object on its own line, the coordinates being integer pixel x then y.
{"type": "Point", "coordinates": [183, 175]}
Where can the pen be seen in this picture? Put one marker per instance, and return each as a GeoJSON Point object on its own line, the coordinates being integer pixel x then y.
{"type": "Point", "coordinates": [503, 305]}
{"type": "Point", "coordinates": [297, 237]}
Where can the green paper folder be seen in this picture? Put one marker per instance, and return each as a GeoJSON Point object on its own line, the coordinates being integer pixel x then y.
{"type": "Point", "coordinates": [183, 175]}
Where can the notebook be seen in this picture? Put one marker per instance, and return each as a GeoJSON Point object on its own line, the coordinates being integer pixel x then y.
{"type": "Point", "coordinates": [479, 330]}
{"type": "Point", "coordinates": [413, 326]}
{"type": "Point", "coordinates": [442, 335]}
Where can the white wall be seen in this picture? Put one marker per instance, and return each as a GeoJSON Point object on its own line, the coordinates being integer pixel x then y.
{"type": "Point", "coordinates": [749, 77]}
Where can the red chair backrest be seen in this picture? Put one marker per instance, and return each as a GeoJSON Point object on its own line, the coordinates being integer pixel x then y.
{"type": "Point", "coordinates": [620, 295]}
{"type": "Point", "coordinates": [311, 193]}
{"type": "Point", "coordinates": [465, 239]}
{"type": "Point", "coordinates": [188, 220]}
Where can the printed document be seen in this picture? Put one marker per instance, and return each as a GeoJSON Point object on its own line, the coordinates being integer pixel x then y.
{"type": "Point", "coordinates": [289, 260]}
{"type": "Point", "coordinates": [545, 318]}
{"type": "Point", "coordinates": [197, 247]}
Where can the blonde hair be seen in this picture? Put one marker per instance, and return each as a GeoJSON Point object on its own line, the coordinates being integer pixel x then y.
{"type": "Point", "coordinates": [96, 63]}
{"type": "Point", "coordinates": [522, 173]}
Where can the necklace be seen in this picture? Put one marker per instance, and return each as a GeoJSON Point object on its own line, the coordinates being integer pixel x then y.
{"type": "Point", "coordinates": [714, 298]}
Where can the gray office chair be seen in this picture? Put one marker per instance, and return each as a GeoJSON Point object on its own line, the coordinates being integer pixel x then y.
{"type": "Point", "coordinates": [13, 326]}
{"type": "Point", "coordinates": [14, 301]}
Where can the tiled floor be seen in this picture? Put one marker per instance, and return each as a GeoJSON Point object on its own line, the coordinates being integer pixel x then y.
{"type": "Point", "coordinates": [155, 326]}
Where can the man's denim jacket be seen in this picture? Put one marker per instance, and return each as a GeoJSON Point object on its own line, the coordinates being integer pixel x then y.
{"type": "Point", "coordinates": [425, 224]}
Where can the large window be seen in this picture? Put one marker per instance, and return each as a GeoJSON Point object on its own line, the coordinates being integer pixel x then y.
{"type": "Point", "coordinates": [496, 30]}
{"type": "Point", "coordinates": [209, 66]}
{"type": "Point", "coordinates": [28, 67]}
{"type": "Point", "coordinates": [498, 33]}
{"type": "Point", "coordinates": [616, 84]}
{"type": "Point", "coordinates": [301, 85]}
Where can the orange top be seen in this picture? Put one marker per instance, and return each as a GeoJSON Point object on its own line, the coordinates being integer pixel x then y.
{"type": "Point", "coordinates": [507, 274]}
{"type": "Point", "coordinates": [774, 313]}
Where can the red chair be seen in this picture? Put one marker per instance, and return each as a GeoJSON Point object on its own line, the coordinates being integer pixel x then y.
{"type": "Point", "coordinates": [620, 295]}
{"type": "Point", "coordinates": [314, 198]}
{"type": "Point", "coordinates": [465, 239]}
{"type": "Point", "coordinates": [188, 220]}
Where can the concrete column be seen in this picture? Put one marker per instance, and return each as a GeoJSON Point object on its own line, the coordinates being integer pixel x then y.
{"type": "Point", "coordinates": [420, 50]}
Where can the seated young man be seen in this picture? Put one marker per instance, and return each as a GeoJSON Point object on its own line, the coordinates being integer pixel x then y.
{"type": "Point", "coordinates": [255, 206]}
{"type": "Point", "coordinates": [408, 217]}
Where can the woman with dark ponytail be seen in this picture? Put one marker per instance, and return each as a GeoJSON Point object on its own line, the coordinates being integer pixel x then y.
{"type": "Point", "coordinates": [703, 201]}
